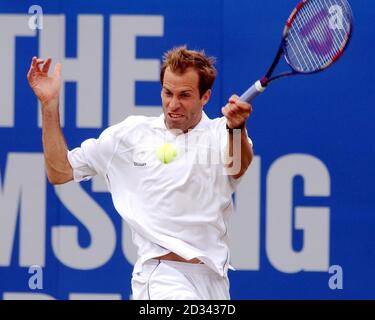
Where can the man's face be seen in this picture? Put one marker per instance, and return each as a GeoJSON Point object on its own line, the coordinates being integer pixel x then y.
{"type": "Point", "coordinates": [182, 104]}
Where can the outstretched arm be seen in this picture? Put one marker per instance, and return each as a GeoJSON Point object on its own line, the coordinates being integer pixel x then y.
{"type": "Point", "coordinates": [47, 89]}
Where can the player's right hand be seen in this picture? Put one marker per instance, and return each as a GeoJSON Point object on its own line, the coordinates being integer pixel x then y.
{"type": "Point", "coordinates": [46, 88]}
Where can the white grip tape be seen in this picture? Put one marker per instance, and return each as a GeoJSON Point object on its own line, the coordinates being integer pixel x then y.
{"type": "Point", "coordinates": [259, 86]}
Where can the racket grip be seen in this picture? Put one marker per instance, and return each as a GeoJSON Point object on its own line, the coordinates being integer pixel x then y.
{"type": "Point", "coordinates": [255, 90]}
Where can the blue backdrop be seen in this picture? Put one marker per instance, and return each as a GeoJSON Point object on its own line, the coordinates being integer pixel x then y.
{"type": "Point", "coordinates": [313, 140]}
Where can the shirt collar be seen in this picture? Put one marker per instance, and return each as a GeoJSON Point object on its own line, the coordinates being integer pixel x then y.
{"type": "Point", "coordinates": [159, 123]}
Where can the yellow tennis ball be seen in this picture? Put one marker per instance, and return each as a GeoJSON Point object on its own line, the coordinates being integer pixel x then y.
{"type": "Point", "coordinates": [166, 153]}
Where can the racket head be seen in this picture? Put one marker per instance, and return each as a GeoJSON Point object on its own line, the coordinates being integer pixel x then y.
{"type": "Point", "coordinates": [317, 34]}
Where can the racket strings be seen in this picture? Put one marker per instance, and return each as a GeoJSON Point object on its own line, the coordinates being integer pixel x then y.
{"type": "Point", "coordinates": [322, 31]}
{"type": "Point", "coordinates": [340, 37]}
{"type": "Point", "coordinates": [320, 36]}
{"type": "Point", "coordinates": [313, 41]}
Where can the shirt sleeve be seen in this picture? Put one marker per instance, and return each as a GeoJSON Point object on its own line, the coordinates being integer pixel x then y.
{"type": "Point", "coordinates": [94, 155]}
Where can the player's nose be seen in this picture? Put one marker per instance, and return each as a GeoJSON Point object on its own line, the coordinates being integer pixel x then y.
{"type": "Point", "coordinates": [174, 104]}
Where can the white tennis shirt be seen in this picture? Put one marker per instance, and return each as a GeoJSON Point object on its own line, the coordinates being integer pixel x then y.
{"type": "Point", "coordinates": [182, 206]}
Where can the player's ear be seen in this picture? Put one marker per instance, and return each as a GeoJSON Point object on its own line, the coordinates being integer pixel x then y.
{"type": "Point", "coordinates": [206, 97]}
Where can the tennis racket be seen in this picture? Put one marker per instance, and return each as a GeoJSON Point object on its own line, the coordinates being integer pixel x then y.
{"type": "Point", "coordinates": [315, 36]}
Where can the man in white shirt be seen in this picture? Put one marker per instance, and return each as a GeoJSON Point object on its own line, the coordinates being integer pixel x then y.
{"type": "Point", "coordinates": [171, 177]}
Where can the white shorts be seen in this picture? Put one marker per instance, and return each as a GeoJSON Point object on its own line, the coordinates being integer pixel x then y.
{"type": "Point", "coordinates": [172, 280]}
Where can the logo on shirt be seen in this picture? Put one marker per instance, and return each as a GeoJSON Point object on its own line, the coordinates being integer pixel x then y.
{"type": "Point", "coordinates": [140, 157]}
{"type": "Point", "coordinates": [139, 164]}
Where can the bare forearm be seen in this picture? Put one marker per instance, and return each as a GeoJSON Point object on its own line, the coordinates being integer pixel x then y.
{"type": "Point", "coordinates": [55, 149]}
{"type": "Point", "coordinates": [47, 89]}
{"type": "Point", "coordinates": [240, 152]}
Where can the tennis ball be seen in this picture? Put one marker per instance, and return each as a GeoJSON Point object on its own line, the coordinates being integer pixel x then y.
{"type": "Point", "coordinates": [166, 153]}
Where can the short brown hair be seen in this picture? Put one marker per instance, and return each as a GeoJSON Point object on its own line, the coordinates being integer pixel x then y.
{"type": "Point", "coordinates": [180, 59]}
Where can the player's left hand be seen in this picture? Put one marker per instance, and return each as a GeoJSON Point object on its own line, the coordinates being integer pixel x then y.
{"type": "Point", "coordinates": [236, 112]}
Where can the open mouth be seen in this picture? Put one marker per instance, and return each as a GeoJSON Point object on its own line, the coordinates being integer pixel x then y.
{"type": "Point", "coordinates": [175, 115]}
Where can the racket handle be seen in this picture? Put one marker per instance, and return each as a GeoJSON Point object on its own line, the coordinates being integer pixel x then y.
{"type": "Point", "coordinates": [255, 90]}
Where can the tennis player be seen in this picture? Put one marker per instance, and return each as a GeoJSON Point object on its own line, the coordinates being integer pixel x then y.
{"type": "Point", "coordinates": [178, 208]}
